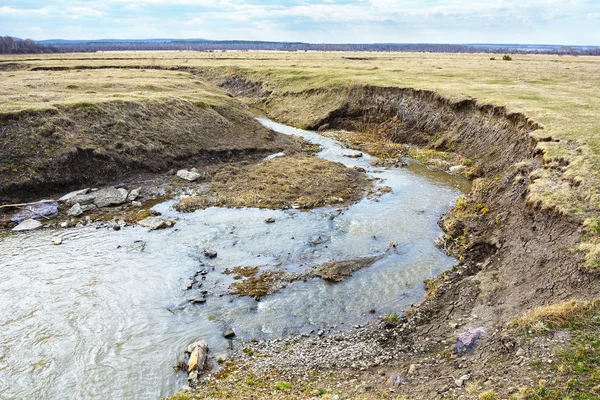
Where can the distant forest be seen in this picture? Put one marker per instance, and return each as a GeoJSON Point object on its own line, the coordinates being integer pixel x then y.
{"type": "Point", "coordinates": [9, 45]}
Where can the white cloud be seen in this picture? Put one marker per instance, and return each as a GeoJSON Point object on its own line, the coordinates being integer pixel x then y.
{"type": "Point", "coordinates": [24, 12]}
{"type": "Point", "coordinates": [82, 12]}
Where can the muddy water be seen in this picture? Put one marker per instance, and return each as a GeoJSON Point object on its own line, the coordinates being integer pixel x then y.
{"type": "Point", "coordinates": [104, 315]}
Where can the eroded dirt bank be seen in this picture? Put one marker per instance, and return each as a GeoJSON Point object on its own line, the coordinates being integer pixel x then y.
{"type": "Point", "coordinates": [513, 256]}
{"type": "Point", "coordinates": [72, 146]}
{"type": "Point", "coordinates": [494, 225]}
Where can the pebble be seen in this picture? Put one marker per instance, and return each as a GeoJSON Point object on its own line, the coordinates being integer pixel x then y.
{"type": "Point", "coordinates": [270, 220]}
{"type": "Point", "coordinates": [210, 253]}
{"type": "Point", "coordinates": [228, 334]}
{"type": "Point", "coordinates": [460, 381]}
{"type": "Point", "coordinates": [28, 225]}
{"type": "Point", "coordinates": [412, 369]}
{"type": "Point", "coordinates": [57, 241]}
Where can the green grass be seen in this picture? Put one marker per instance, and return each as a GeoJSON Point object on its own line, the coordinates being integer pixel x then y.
{"type": "Point", "coordinates": [575, 371]}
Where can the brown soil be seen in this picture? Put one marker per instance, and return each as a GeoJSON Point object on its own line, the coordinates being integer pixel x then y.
{"type": "Point", "coordinates": [513, 256]}
{"type": "Point", "coordinates": [51, 151]}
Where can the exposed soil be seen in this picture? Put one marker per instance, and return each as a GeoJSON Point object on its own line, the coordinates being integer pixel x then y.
{"type": "Point", "coordinates": [67, 147]}
{"type": "Point", "coordinates": [513, 256]}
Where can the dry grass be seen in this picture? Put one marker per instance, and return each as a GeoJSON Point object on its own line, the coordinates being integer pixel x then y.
{"type": "Point", "coordinates": [48, 89]}
{"type": "Point", "coordinates": [561, 315]}
{"type": "Point", "coordinates": [369, 142]}
{"type": "Point", "coordinates": [304, 182]}
{"type": "Point", "coordinates": [556, 91]}
{"type": "Point", "coordinates": [266, 283]}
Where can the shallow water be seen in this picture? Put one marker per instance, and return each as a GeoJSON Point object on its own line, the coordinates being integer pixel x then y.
{"type": "Point", "coordinates": [104, 315]}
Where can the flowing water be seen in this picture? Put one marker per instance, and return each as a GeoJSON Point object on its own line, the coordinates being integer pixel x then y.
{"type": "Point", "coordinates": [105, 315]}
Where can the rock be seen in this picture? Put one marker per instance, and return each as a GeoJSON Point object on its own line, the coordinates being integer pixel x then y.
{"type": "Point", "coordinates": [193, 378]}
{"type": "Point", "coordinates": [57, 241]}
{"type": "Point", "coordinates": [190, 176]}
{"type": "Point", "coordinates": [110, 197]}
{"type": "Point", "coordinates": [27, 225]}
{"type": "Point", "coordinates": [101, 198]}
{"type": "Point", "coordinates": [37, 211]}
{"type": "Point", "coordinates": [138, 246]}
{"type": "Point", "coordinates": [136, 203]}
{"type": "Point", "coordinates": [75, 211]}
{"type": "Point", "coordinates": [356, 154]}
{"type": "Point", "coordinates": [520, 352]}
{"type": "Point", "coordinates": [198, 354]}
{"type": "Point", "coordinates": [396, 380]}
{"type": "Point", "coordinates": [270, 220]}
{"type": "Point", "coordinates": [228, 334]}
{"type": "Point", "coordinates": [196, 300]}
{"type": "Point", "coordinates": [337, 271]}
{"type": "Point", "coordinates": [134, 194]}
{"type": "Point", "coordinates": [460, 381]}
{"type": "Point", "coordinates": [116, 227]}
{"type": "Point", "coordinates": [412, 369]}
{"type": "Point", "coordinates": [210, 253]}
{"type": "Point", "coordinates": [69, 196]}
{"type": "Point", "coordinates": [154, 223]}
{"type": "Point", "coordinates": [64, 224]}
{"type": "Point", "coordinates": [318, 239]}
{"type": "Point", "coordinates": [88, 207]}
{"type": "Point", "coordinates": [457, 169]}
{"type": "Point", "coordinates": [276, 155]}
{"type": "Point", "coordinates": [468, 339]}
{"type": "Point", "coordinates": [562, 335]}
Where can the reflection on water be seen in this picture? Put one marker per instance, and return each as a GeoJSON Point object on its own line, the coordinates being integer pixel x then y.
{"type": "Point", "coordinates": [104, 315]}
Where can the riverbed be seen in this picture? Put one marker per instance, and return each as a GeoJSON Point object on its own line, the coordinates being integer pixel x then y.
{"type": "Point", "coordinates": [106, 313]}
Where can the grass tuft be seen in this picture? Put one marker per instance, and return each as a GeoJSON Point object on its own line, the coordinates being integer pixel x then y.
{"type": "Point", "coordinates": [570, 314]}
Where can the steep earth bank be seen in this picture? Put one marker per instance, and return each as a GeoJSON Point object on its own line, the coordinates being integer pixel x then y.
{"type": "Point", "coordinates": [50, 151]}
{"type": "Point", "coordinates": [494, 225]}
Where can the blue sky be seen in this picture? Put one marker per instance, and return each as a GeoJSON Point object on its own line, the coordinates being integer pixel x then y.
{"type": "Point", "coordinates": [324, 21]}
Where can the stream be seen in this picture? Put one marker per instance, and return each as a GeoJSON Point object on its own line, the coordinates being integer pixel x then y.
{"type": "Point", "coordinates": [105, 314]}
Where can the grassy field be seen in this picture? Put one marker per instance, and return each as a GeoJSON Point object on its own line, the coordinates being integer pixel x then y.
{"type": "Point", "coordinates": [559, 92]}
{"type": "Point", "coordinates": [43, 89]}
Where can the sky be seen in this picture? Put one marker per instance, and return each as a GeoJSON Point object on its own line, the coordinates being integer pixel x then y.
{"type": "Point", "coordinates": [574, 22]}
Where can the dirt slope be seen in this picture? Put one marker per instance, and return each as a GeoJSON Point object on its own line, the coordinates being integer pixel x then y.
{"type": "Point", "coordinates": [53, 150]}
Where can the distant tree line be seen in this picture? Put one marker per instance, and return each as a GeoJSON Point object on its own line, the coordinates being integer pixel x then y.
{"type": "Point", "coordinates": [206, 45]}
{"type": "Point", "coordinates": [9, 45]}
